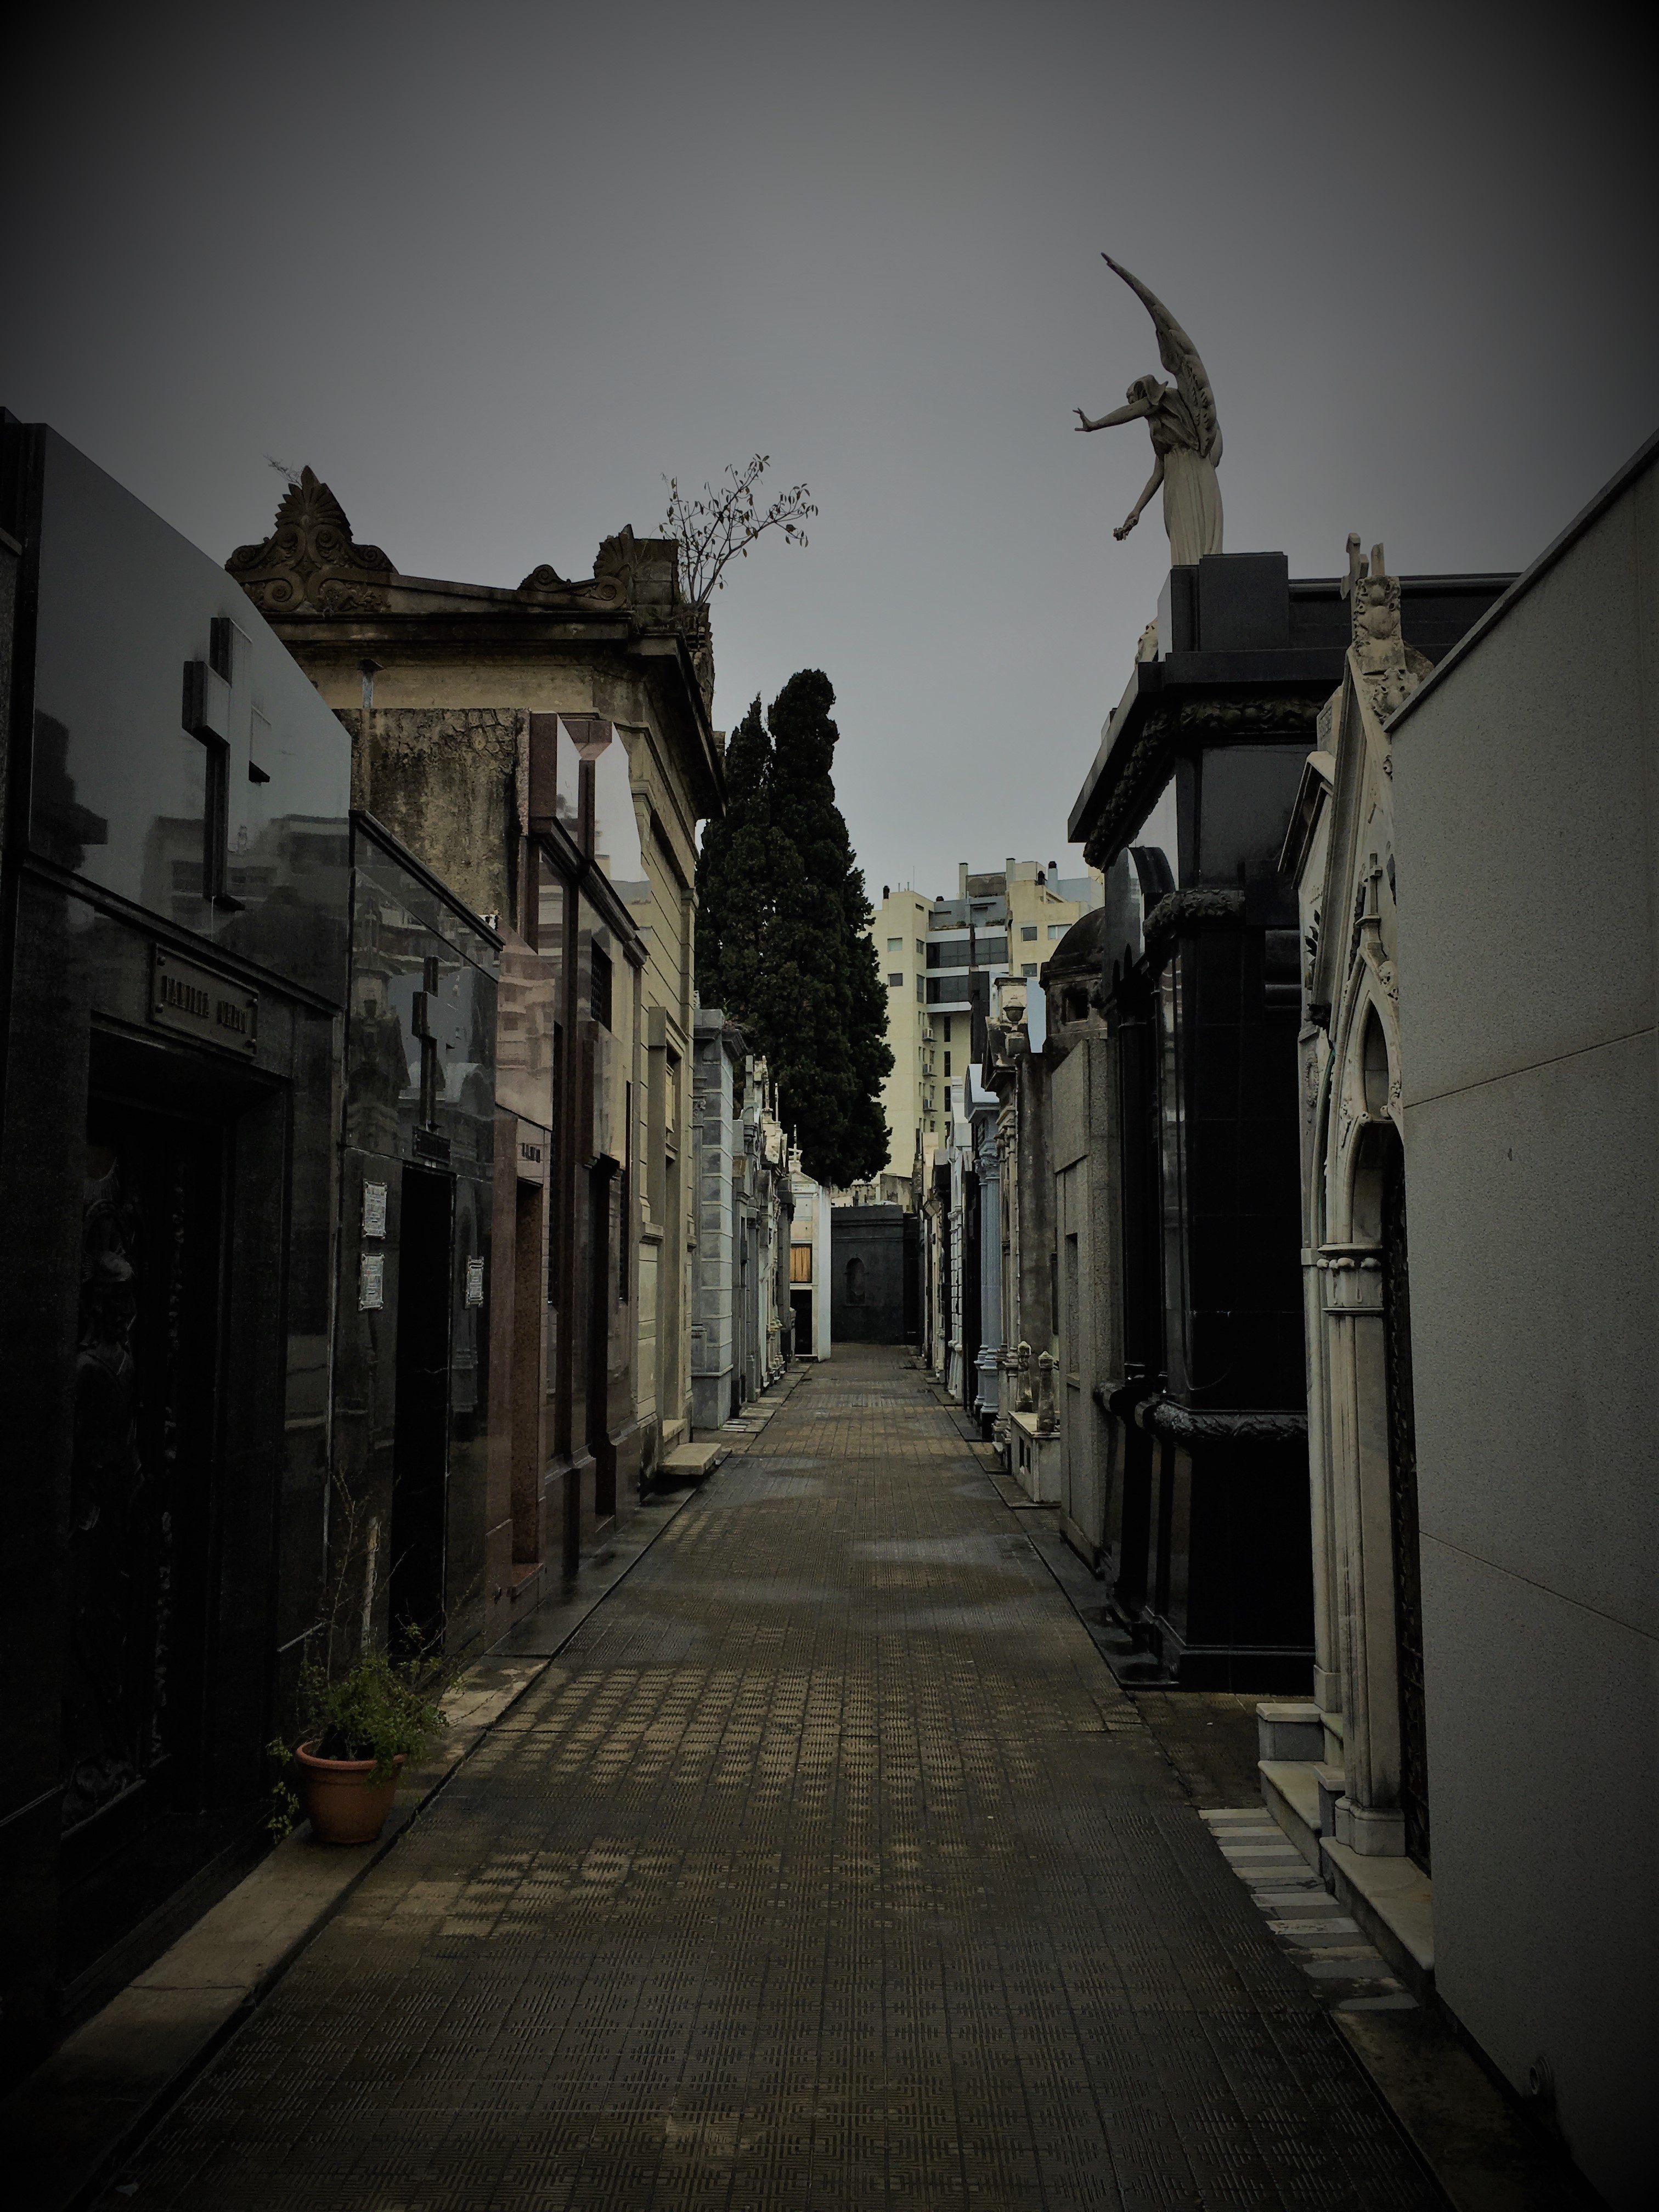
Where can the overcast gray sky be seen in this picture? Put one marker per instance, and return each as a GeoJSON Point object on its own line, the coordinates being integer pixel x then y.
{"type": "Point", "coordinates": [493, 270]}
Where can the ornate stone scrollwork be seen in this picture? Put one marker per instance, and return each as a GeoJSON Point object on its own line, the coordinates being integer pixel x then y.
{"type": "Point", "coordinates": [311, 563]}
{"type": "Point", "coordinates": [1148, 744]}
{"type": "Point", "coordinates": [1389, 669]}
{"type": "Point", "coordinates": [1169, 1419]}
{"type": "Point", "coordinates": [1179, 910]}
{"type": "Point", "coordinates": [1252, 717]}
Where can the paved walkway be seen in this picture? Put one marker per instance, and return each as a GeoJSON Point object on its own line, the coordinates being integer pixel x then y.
{"type": "Point", "coordinates": [825, 1868]}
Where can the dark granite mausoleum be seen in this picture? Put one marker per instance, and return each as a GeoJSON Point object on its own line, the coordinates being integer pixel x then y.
{"type": "Point", "coordinates": [1206, 1543]}
{"type": "Point", "coordinates": [868, 1253]}
{"type": "Point", "coordinates": [174, 953]}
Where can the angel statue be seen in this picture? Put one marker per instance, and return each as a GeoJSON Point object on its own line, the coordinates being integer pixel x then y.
{"type": "Point", "coordinates": [1186, 436]}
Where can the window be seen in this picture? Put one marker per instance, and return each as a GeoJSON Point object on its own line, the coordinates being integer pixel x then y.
{"type": "Point", "coordinates": [947, 1063]}
{"type": "Point", "coordinates": [1028, 968]}
{"type": "Point", "coordinates": [895, 944]}
{"type": "Point", "coordinates": [947, 1097]}
{"type": "Point", "coordinates": [921, 991]}
{"type": "Point", "coordinates": [800, 1263]}
{"type": "Point", "coordinates": [895, 983]}
{"type": "Point", "coordinates": [921, 950]}
{"type": "Point", "coordinates": [1055, 929]}
{"type": "Point", "coordinates": [1028, 930]}
{"type": "Point", "coordinates": [947, 1029]}
{"type": "Point", "coordinates": [599, 988]}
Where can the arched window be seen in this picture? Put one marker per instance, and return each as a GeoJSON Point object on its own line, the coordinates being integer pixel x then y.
{"type": "Point", "coordinates": [1375, 1065]}
{"type": "Point", "coordinates": [855, 1282]}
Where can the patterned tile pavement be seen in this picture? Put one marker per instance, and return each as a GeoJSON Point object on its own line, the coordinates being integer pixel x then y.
{"type": "Point", "coordinates": [827, 1868]}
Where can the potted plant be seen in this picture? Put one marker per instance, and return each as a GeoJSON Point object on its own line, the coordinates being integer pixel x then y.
{"type": "Point", "coordinates": [360, 1713]}
{"type": "Point", "coordinates": [356, 1730]}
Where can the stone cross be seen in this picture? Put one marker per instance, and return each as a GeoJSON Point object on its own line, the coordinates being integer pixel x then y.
{"type": "Point", "coordinates": [423, 1022]}
{"type": "Point", "coordinates": [220, 714]}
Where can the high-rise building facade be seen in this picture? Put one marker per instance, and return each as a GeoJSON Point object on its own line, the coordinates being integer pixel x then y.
{"type": "Point", "coordinates": [935, 954]}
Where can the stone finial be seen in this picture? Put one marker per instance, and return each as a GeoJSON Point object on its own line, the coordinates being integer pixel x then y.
{"type": "Point", "coordinates": [311, 563]}
{"type": "Point", "coordinates": [1388, 669]}
{"type": "Point", "coordinates": [1045, 1420]}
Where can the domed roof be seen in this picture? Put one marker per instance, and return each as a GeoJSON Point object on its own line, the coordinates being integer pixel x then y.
{"type": "Point", "coordinates": [1080, 951]}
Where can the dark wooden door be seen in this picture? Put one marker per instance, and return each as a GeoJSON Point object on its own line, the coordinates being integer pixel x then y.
{"type": "Point", "coordinates": [140, 1555]}
{"type": "Point", "coordinates": [420, 1452]}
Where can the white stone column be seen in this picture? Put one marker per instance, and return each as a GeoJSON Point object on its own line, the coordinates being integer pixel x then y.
{"type": "Point", "coordinates": [1327, 1662]}
{"type": "Point", "coordinates": [987, 1397]}
{"type": "Point", "coordinates": [1368, 1815]}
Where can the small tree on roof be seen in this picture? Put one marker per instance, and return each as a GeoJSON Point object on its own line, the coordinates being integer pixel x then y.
{"type": "Point", "coordinates": [722, 527]}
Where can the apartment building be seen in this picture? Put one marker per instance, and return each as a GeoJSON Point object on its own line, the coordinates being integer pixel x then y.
{"type": "Point", "coordinates": [938, 956]}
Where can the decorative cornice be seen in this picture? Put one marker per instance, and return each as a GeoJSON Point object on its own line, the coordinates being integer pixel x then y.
{"type": "Point", "coordinates": [1167, 1418]}
{"type": "Point", "coordinates": [311, 563]}
{"type": "Point", "coordinates": [1264, 717]}
{"type": "Point", "coordinates": [1149, 741]}
{"type": "Point", "coordinates": [1179, 911]}
{"type": "Point", "coordinates": [1269, 717]}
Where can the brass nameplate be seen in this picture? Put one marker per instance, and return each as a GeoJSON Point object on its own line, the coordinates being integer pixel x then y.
{"type": "Point", "coordinates": [195, 1002]}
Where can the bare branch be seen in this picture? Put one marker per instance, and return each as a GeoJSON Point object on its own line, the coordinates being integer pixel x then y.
{"type": "Point", "coordinates": [721, 526]}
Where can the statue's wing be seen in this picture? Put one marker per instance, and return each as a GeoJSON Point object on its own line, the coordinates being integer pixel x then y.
{"type": "Point", "coordinates": [1179, 357]}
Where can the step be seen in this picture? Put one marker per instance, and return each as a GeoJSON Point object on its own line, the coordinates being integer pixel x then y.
{"type": "Point", "coordinates": [1393, 1900]}
{"type": "Point", "coordinates": [691, 1463]}
{"type": "Point", "coordinates": [1290, 1788]}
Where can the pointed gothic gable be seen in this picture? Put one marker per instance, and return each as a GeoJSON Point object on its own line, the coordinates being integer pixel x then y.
{"type": "Point", "coordinates": [311, 563]}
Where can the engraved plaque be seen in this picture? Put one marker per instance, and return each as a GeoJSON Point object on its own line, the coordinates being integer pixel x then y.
{"type": "Point", "coordinates": [371, 1290]}
{"type": "Point", "coordinates": [193, 1001]}
{"type": "Point", "coordinates": [475, 1282]}
{"type": "Point", "coordinates": [374, 1209]}
{"type": "Point", "coordinates": [533, 1153]}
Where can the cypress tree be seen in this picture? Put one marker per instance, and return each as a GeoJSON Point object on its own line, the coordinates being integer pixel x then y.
{"type": "Point", "coordinates": [782, 942]}
{"type": "Point", "coordinates": [737, 870]}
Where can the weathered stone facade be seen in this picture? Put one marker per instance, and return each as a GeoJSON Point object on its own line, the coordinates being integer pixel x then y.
{"type": "Point", "coordinates": [545, 751]}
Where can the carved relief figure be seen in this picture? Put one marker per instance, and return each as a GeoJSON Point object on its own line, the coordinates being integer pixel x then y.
{"type": "Point", "coordinates": [1389, 669]}
{"type": "Point", "coordinates": [1186, 436]}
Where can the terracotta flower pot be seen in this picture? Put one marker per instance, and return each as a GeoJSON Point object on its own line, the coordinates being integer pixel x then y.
{"type": "Point", "coordinates": [342, 1805]}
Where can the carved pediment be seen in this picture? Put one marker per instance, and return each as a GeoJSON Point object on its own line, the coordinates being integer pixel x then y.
{"type": "Point", "coordinates": [599, 591]}
{"type": "Point", "coordinates": [627, 571]}
{"type": "Point", "coordinates": [311, 563]}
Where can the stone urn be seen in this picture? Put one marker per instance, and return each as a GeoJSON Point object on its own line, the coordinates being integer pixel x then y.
{"type": "Point", "coordinates": [342, 1805]}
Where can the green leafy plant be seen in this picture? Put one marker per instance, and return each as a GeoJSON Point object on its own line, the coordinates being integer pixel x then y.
{"type": "Point", "coordinates": [353, 1701]}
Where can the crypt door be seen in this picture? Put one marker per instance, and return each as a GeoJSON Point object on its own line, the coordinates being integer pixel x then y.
{"type": "Point", "coordinates": [141, 1558]}
{"type": "Point", "coordinates": [420, 1451]}
{"type": "Point", "coordinates": [1402, 1505]}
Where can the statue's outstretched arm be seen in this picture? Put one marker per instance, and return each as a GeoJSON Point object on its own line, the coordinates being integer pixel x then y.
{"type": "Point", "coordinates": [1134, 412]}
